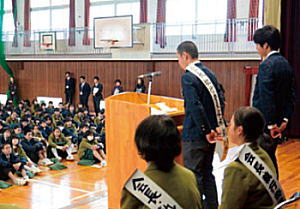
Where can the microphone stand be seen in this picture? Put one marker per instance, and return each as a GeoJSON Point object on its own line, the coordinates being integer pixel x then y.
{"type": "Point", "coordinates": [149, 89]}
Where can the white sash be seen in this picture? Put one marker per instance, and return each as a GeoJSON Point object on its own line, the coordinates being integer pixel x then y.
{"type": "Point", "coordinates": [215, 97]}
{"type": "Point", "coordinates": [261, 170]}
{"type": "Point", "coordinates": [149, 193]}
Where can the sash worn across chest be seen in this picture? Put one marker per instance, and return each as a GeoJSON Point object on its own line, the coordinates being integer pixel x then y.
{"type": "Point", "coordinates": [149, 193]}
{"type": "Point", "coordinates": [215, 98]}
{"type": "Point", "coordinates": [261, 170]}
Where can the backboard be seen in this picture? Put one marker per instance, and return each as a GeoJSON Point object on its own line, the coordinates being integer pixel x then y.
{"type": "Point", "coordinates": [113, 32]}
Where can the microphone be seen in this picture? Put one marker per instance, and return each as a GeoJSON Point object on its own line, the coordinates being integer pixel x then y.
{"type": "Point", "coordinates": [149, 75]}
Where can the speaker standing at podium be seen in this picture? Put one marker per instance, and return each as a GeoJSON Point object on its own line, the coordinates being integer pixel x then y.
{"type": "Point", "coordinates": [84, 92]}
{"type": "Point", "coordinates": [200, 120]}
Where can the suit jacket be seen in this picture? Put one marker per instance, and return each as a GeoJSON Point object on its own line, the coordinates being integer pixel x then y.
{"type": "Point", "coordinates": [180, 183]}
{"type": "Point", "coordinates": [242, 189]}
{"type": "Point", "coordinates": [274, 91]}
{"type": "Point", "coordinates": [200, 115]}
{"type": "Point", "coordinates": [70, 86]}
{"type": "Point", "coordinates": [86, 89]}
{"type": "Point", "coordinates": [99, 92]}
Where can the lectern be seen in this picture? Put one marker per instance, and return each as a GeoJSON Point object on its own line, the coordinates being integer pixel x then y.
{"type": "Point", "coordinates": [123, 114]}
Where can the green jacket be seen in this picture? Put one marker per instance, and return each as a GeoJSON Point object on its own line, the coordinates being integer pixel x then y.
{"type": "Point", "coordinates": [242, 189]}
{"type": "Point", "coordinates": [20, 152]}
{"type": "Point", "coordinates": [84, 145]}
{"type": "Point", "coordinates": [61, 141]}
{"type": "Point", "coordinates": [11, 121]}
{"type": "Point", "coordinates": [179, 183]}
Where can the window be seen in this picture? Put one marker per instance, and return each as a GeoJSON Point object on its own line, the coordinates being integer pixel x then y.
{"type": "Point", "coordinates": [191, 17]}
{"type": "Point", "coordinates": [106, 8]}
{"type": "Point", "coordinates": [40, 20]}
{"type": "Point", "coordinates": [49, 14]}
{"type": "Point", "coordinates": [39, 3]}
{"type": "Point", "coordinates": [129, 9]}
{"type": "Point", "coordinates": [8, 21]}
{"type": "Point", "coordinates": [60, 19]}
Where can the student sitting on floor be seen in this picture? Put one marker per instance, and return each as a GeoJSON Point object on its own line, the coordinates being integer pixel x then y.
{"type": "Point", "coordinates": [91, 149]}
{"type": "Point", "coordinates": [59, 146]}
{"type": "Point", "coordinates": [12, 119]}
{"type": "Point", "coordinates": [70, 131]}
{"type": "Point", "coordinates": [19, 151]}
{"type": "Point", "coordinates": [44, 129]}
{"type": "Point", "coordinates": [34, 149]}
{"type": "Point", "coordinates": [36, 134]}
{"type": "Point", "coordinates": [9, 164]}
{"type": "Point", "coordinates": [84, 128]}
{"type": "Point", "coordinates": [56, 116]}
{"type": "Point", "coordinates": [5, 137]}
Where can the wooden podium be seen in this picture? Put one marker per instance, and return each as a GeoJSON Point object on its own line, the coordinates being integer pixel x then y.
{"type": "Point", "coordinates": [123, 114]}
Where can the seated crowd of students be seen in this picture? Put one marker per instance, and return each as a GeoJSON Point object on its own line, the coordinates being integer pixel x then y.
{"type": "Point", "coordinates": [32, 134]}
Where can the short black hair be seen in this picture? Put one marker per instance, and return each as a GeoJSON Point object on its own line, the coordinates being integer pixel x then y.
{"type": "Point", "coordinates": [67, 73]}
{"type": "Point", "coordinates": [267, 34]}
{"type": "Point", "coordinates": [252, 121]}
{"type": "Point", "coordinates": [118, 80]}
{"type": "Point", "coordinates": [97, 78]}
{"type": "Point", "coordinates": [83, 77]}
{"type": "Point", "coordinates": [188, 47]}
{"type": "Point", "coordinates": [27, 130]}
{"type": "Point", "coordinates": [4, 144]}
{"type": "Point", "coordinates": [157, 139]}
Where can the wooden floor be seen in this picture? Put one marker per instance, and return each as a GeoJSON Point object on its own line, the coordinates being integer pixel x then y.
{"type": "Point", "coordinates": [85, 187]}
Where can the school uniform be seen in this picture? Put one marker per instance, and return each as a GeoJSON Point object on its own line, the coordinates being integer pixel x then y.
{"type": "Point", "coordinates": [11, 121]}
{"type": "Point", "coordinates": [179, 183]}
{"type": "Point", "coordinates": [117, 90]}
{"type": "Point", "coordinates": [69, 89]}
{"type": "Point", "coordinates": [84, 93]}
{"type": "Point", "coordinates": [85, 149]}
{"type": "Point", "coordinates": [60, 141]}
{"type": "Point", "coordinates": [32, 148]}
{"type": "Point", "coordinates": [242, 189]}
{"type": "Point", "coordinates": [6, 165]}
{"type": "Point", "coordinates": [71, 131]}
{"type": "Point", "coordinates": [97, 96]}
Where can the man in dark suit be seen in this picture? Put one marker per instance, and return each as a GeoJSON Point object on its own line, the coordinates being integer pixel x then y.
{"type": "Point", "coordinates": [84, 92]}
{"type": "Point", "coordinates": [199, 123]}
{"type": "Point", "coordinates": [69, 88]}
{"type": "Point", "coordinates": [274, 91]}
{"type": "Point", "coordinates": [97, 94]}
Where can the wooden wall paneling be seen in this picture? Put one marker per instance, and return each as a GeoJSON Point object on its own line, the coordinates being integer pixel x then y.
{"type": "Point", "coordinates": [46, 78]}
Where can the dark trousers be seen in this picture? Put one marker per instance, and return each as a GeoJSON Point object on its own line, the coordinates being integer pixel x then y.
{"type": "Point", "coordinates": [198, 157]}
{"type": "Point", "coordinates": [97, 104]}
{"type": "Point", "coordinates": [84, 100]}
{"type": "Point", "coordinates": [69, 98]}
{"type": "Point", "coordinates": [4, 171]}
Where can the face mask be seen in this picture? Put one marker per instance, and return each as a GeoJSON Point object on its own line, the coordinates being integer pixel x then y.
{"type": "Point", "coordinates": [90, 138]}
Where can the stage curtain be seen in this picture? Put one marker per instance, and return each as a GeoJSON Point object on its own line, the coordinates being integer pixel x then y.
{"type": "Point", "coordinates": [230, 33]}
{"type": "Point", "coordinates": [27, 24]}
{"type": "Point", "coordinates": [143, 11]}
{"type": "Point", "coordinates": [15, 15]}
{"type": "Point", "coordinates": [86, 35]}
{"type": "Point", "coordinates": [290, 49]}
{"type": "Point", "coordinates": [272, 12]}
{"type": "Point", "coordinates": [72, 24]}
{"type": "Point", "coordinates": [161, 24]}
{"type": "Point", "coordinates": [253, 18]}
